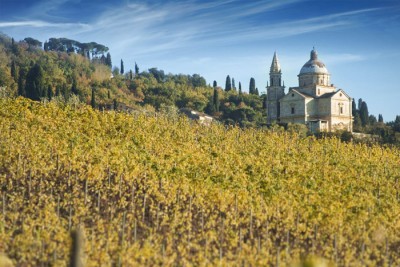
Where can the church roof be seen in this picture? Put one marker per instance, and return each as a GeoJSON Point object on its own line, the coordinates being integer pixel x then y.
{"type": "Point", "coordinates": [275, 67]}
{"type": "Point", "coordinates": [314, 65]}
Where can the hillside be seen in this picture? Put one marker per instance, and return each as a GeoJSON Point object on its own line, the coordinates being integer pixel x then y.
{"type": "Point", "coordinates": [166, 191]}
{"type": "Point", "coordinates": [70, 71]}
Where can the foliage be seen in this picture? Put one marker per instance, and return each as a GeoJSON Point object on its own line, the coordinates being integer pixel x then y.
{"type": "Point", "coordinates": [152, 190]}
{"type": "Point", "coordinates": [228, 84]}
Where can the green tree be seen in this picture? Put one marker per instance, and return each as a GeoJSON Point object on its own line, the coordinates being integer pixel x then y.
{"type": "Point", "coordinates": [136, 69]}
{"type": "Point", "coordinates": [34, 86]}
{"type": "Point", "coordinates": [233, 84]}
{"type": "Point", "coordinates": [74, 86]}
{"type": "Point", "coordinates": [130, 75]}
{"type": "Point", "coordinates": [21, 82]}
{"type": "Point", "coordinates": [215, 83]}
{"type": "Point", "coordinates": [58, 90]}
{"type": "Point", "coordinates": [228, 84]}
{"type": "Point", "coordinates": [252, 86]}
{"type": "Point", "coordinates": [256, 92]}
{"type": "Point", "coordinates": [122, 67]}
{"type": "Point", "coordinates": [364, 116]}
{"type": "Point", "coordinates": [372, 120]}
{"type": "Point", "coordinates": [216, 99]}
{"type": "Point", "coordinates": [108, 60]}
{"type": "Point", "coordinates": [380, 118]}
{"type": "Point", "coordinates": [240, 88]}
{"type": "Point", "coordinates": [359, 103]}
{"type": "Point", "coordinates": [33, 43]}
{"type": "Point", "coordinates": [353, 107]}
{"type": "Point", "coordinates": [49, 92]}
{"type": "Point", "coordinates": [93, 99]}
{"type": "Point", "coordinates": [14, 47]}
{"type": "Point", "coordinates": [14, 72]}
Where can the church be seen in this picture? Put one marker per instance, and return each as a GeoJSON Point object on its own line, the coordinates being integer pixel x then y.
{"type": "Point", "coordinates": [315, 102]}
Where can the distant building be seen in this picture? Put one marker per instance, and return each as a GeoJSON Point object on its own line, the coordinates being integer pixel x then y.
{"type": "Point", "coordinates": [202, 118]}
{"type": "Point", "coordinates": [315, 102]}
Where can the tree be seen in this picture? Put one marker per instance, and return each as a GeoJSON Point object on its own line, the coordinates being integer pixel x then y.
{"type": "Point", "coordinates": [14, 72]}
{"type": "Point", "coordinates": [364, 116]}
{"type": "Point", "coordinates": [216, 99]}
{"type": "Point", "coordinates": [21, 82]}
{"type": "Point", "coordinates": [158, 74]}
{"type": "Point", "coordinates": [58, 90]}
{"type": "Point", "coordinates": [74, 87]}
{"type": "Point", "coordinates": [108, 60]}
{"type": "Point", "coordinates": [33, 42]}
{"type": "Point", "coordinates": [198, 81]}
{"type": "Point", "coordinates": [14, 47]}
{"type": "Point", "coordinates": [240, 88]}
{"type": "Point", "coordinates": [353, 107]}
{"type": "Point", "coordinates": [136, 69]}
{"type": "Point", "coordinates": [256, 92]}
{"type": "Point", "coordinates": [372, 120]}
{"type": "Point", "coordinates": [93, 100]}
{"type": "Point", "coordinates": [228, 84]}
{"type": "Point", "coordinates": [252, 86]}
{"type": "Point", "coordinates": [49, 92]}
{"type": "Point", "coordinates": [359, 103]}
{"type": "Point", "coordinates": [233, 84]}
{"type": "Point", "coordinates": [122, 67]}
{"type": "Point", "coordinates": [130, 75]}
{"type": "Point", "coordinates": [215, 84]}
{"type": "Point", "coordinates": [380, 118]}
{"type": "Point", "coordinates": [34, 86]}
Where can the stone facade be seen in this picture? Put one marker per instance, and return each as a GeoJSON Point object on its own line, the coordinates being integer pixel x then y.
{"type": "Point", "coordinates": [315, 102]}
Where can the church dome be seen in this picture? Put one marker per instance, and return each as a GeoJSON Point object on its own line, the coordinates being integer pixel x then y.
{"type": "Point", "coordinates": [314, 65]}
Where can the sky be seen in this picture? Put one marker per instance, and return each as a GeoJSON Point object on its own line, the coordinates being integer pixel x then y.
{"type": "Point", "coordinates": [358, 40]}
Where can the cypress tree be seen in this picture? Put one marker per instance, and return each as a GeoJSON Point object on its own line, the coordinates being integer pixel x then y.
{"type": "Point", "coordinates": [353, 107]}
{"type": "Point", "coordinates": [228, 84]}
{"type": "Point", "coordinates": [380, 118]}
{"type": "Point", "coordinates": [359, 104]}
{"type": "Point", "coordinates": [34, 87]}
{"type": "Point", "coordinates": [108, 60]}
{"type": "Point", "coordinates": [14, 72]}
{"type": "Point", "coordinates": [49, 92]}
{"type": "Point", "coordinates": [58, 90]}
{"type": "Point", "coordinates": [122, 67]}
{"type": "Point", "coordinates": [256, 92]}
{"type": "Point", "coordinates": [264, 102]}
{"type": "Point", "coordinates": [14, 47]}
{"type": "Point", "coordinates": [21, 83]}
{"type": "Point", "coordinates": [252, 86]}
{"type": "Point", "coordinates": [130, 74]}
{"type": "Point", "coordinates": [93, 100]}
{"type": "Point", "coordinates": [233, 84]}
{"type": "Point", "coordinates": [216, 99]}
{"type": "Point", "coordinates": [364, 116]}
{"type": "Point", "coordinates": [74, 87]}
{"type": "Point", "coordinates": [136, 69]}
{"type": "Point", "coordinates": [215, 83]}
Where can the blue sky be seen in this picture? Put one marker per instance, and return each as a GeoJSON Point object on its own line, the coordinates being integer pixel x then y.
{"type": "Point", "coordinates": [358, 40]}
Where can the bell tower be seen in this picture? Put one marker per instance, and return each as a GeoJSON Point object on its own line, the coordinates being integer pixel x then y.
{"type": "Point", "coordinates": [275, 91]}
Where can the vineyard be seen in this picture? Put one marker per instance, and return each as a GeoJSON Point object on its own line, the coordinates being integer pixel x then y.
{"type": "Point", "coordinates": [159, 191]}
